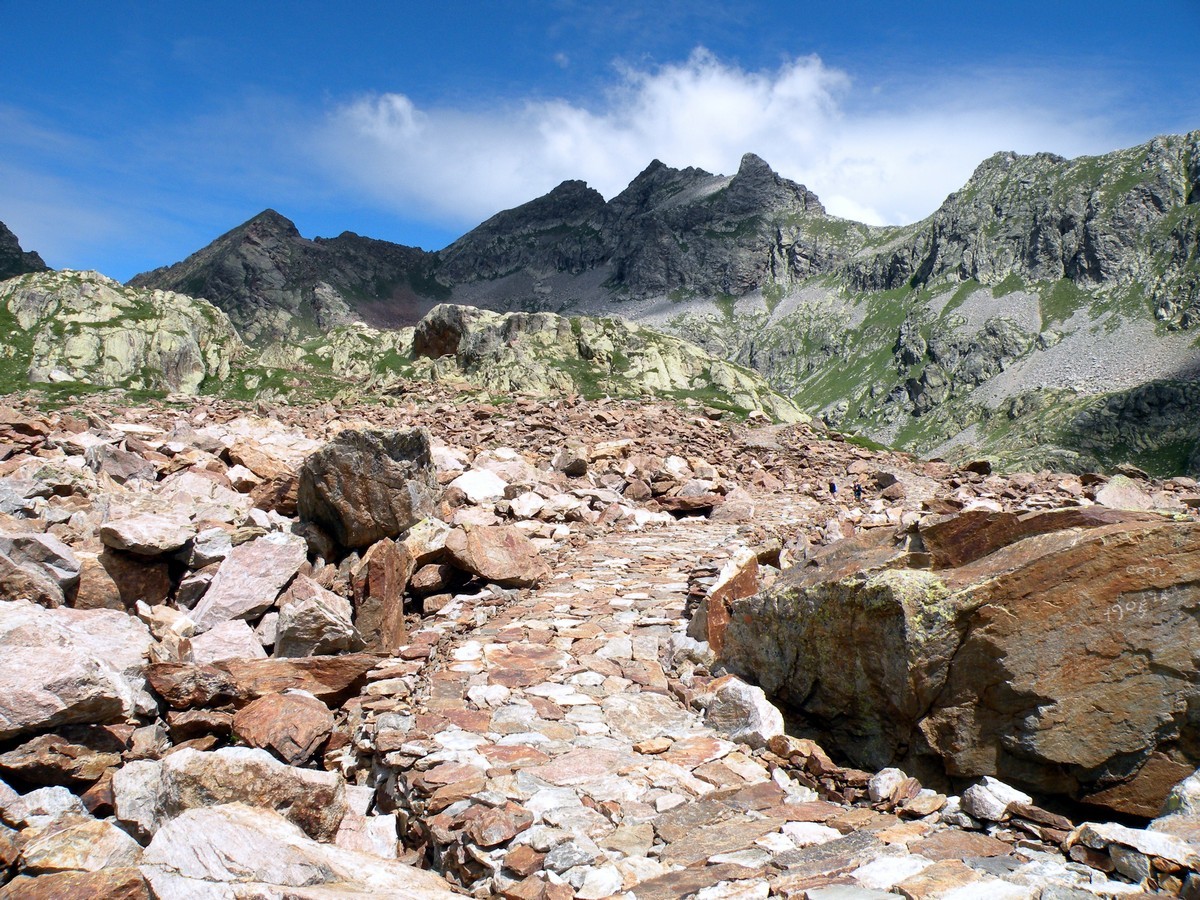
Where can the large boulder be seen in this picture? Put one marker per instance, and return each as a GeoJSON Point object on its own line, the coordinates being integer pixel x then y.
{"type": "Point", "coordinates": [364, 486]}
{"type": "Point", "coordinates": [499, 554]}
{"type": "Point", "coordinates": [1052, 650]}
{"type": "Point", "coordinates": [237, 850]}
{"type": "Point", "coordinates": [330, 678]}
{"type": "Point", "coordinates": [250, 579]}
{"type": "Point", "coordinates": [443, 328]}
{"type": "Point", "coordinates": [147, 794]}
{"type": "Point", "coordinates": [381, 581]}
{"type": "Point", "coordinates": [78, 844]}
{"type": "Point", "coordinates": [37, 567]}
{"type": "Point", "coordinates": [148, 534]}
{"type": "Point", "coordinates": [111, 883]}
{"type": "Point", "coordinates": [293, 726]}
{"type": "Point", "coordinates": [81, 758]}
{"type": "Point", "coordinates": [314, 621]}
{"type": "Point", "coordinates": [60, 666]}
{"type": "Point", "coordinates": [28, 582]}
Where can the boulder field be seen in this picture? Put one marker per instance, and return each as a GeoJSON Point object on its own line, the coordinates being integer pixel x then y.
{"type": "Point", "coordinates": [552, 649]}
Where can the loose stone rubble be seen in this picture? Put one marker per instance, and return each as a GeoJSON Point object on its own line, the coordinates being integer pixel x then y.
{"type": "Point", "coordinates": [213, 684]}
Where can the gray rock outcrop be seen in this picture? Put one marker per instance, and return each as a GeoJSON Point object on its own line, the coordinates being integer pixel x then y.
{"type": "Point", "coordinates": [81, 326]}
{"type": "Point", "coordinates": [552, 354]}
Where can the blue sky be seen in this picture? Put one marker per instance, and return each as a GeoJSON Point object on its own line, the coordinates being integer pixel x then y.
{"type": "Point", "coordinates": [131, 134]}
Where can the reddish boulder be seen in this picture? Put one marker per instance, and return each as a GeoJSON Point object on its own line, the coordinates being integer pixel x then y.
{"type": "Point", "coordinates": [738, 578]}
{"type": "Point", "coordinates": [116, 883]}
{"type": "Point", "coordinates": [184, 686]}
{"type": "Point", "coordinates": [293, 726]}
{"type": "Point", "coordinates": [329, 678]}
{"type": "Point", "coordinates": [499, 554]}
{"type": "Point", "coordinates": [53, 759]}
{"type": "Point", "coordinates": [1051, 650]}
{"type": "Point", "coordinates": [379, 608]}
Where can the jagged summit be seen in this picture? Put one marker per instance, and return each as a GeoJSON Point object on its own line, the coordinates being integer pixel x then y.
{"type": "Point", "coordinates": [756, 185]}
{"type": "Point", "coordinates": [273, 220]}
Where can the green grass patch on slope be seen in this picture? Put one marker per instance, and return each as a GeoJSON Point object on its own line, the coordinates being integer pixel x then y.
{"type": "Point", "coordinates": [867, 358]}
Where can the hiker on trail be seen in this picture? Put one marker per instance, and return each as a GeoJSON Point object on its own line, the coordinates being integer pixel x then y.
{"type": "Point", "coordinates": [833, 489]}
{"type": "Point", "coordinates": [857, 491]}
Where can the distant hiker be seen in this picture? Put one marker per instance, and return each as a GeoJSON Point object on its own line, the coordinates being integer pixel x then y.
{"type": "Point", "coordinates": [858, 492]}
{"type": "Point", "coordinates": [833, 489]}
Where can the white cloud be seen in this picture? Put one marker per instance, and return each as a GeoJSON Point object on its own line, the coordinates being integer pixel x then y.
{"type": "Point", "coordinates": [880, 155]}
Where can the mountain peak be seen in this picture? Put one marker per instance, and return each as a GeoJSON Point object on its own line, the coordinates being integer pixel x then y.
{"type": "Point", "coordinates": [757, 186]}
{"type": "Point", "coordinates": [753, 164]}
{"type": "Point", "coordinates": [271, 221]}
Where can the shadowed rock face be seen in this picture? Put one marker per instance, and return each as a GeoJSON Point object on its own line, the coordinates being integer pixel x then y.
{"type": "Point", "coordinates": [669, 229]}
{"type": "Point", "coordinates": [14, 260]}
{"type": "Point", "coordinates": [558, 230]}
{"type": "Point", "coordinates": [1052, 650]}
{"type": "Point", "coordinates": [264, 276]}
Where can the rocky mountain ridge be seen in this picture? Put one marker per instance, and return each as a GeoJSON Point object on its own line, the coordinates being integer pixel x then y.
{"type": "Point", "coordinates": [73, 332]}
{"type": "Point", "coordinates": [271, 281]}
{"type": "Point", "coordinates": [1000, 325]}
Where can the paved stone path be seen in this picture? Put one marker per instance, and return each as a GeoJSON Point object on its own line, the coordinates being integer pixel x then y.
{"type": "Point", "coordinates": [545, 746]}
